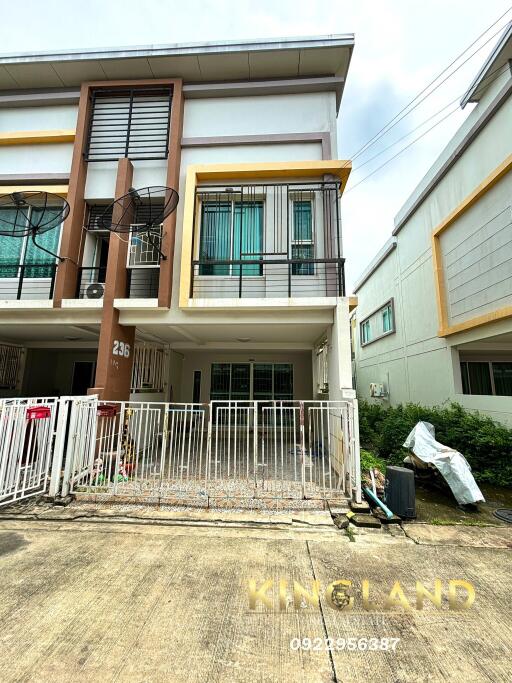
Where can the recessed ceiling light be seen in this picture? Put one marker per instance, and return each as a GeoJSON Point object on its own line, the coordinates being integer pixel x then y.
{"type": "Point", "coordinates": [72, 338]}
{"type": "Point", "coordinates": [243, 339]}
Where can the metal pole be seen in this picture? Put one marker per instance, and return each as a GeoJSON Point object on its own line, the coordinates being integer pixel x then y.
{"type": "Point", "coordinates": [60, 441]}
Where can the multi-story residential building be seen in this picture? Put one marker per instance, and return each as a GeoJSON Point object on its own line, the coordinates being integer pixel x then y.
{"type": "Point", "coordinates": [248, 301]}
{"type": "Point", "coordinates": [434, 316]}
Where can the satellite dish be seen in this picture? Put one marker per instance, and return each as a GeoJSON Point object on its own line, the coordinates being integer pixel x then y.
{"type": "Point", "coordinates": [142, 211]}
{"type": "Point", "coordinates": [94, 291]}
{"type": "Point", "coordinates": [31, 213]}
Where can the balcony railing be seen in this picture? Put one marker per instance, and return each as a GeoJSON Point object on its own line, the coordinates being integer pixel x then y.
{"type": "Point", "coordinates": [28, 281]}
{"type": "Point", "coordinates": [141, 283]}
{"type": "Point", "coordinates": [270, 278]}
{"type": "Point", "coordinates": [267, 240]}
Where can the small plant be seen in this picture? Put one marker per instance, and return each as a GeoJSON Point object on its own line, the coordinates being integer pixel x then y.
{"type": "Point", "coordinates": [486, 445]}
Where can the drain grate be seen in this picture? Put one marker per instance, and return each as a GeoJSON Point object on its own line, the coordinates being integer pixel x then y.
{"type": "Point", "coordinates": [505, 514]}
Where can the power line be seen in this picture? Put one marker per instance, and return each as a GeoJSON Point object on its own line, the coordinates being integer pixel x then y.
{"type": "Point", "coordinates": [403, 112]}
{"type": "Point", "coordinates": [499, 72]}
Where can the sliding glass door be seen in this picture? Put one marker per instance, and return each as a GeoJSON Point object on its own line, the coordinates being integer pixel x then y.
{"type": "Point", "coordinates": [231, 231]}
{"type": "Point", "coordinates": [251, 381]}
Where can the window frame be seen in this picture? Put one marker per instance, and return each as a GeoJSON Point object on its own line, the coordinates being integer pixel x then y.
{"type": "Point", "coordinates": [233, 203]}
{"type": "Point", "coordinates": [22, 265]}
{"type": "Point", "coordinates": [251, 365]}
{"type": "Point", "coordinates": [297, 243]}
{"type": "Point", "coordinates": [489, 363]}
{"type": "Point", "coordinates": [390, 303]}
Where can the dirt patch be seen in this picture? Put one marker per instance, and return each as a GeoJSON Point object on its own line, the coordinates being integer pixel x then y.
{"type": "Point", "coordinates": [10, 542]}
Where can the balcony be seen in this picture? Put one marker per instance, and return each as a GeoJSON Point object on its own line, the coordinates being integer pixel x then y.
{"type": "Point", "coordinates": [268, 240]}
{"type": "Point", "coordinates": [34, 281]}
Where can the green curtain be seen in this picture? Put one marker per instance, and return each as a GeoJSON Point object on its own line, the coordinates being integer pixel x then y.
{"type": "Point", "coordinates": [49, 240]}
{"type": "Point", "coordinates": [502, 378]}
{"type": "Point", "coordinates": [248, 236]}
{"type": "Point", "coordinates": [302, 233]}
{"type": "Point", "coordinates": [480, 378]}
{"type": "Point", "coordinates": [215, 237]}
{"type": "Point", "coordinates": [10, 247]}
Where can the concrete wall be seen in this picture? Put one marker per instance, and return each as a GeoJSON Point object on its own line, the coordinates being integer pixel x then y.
{"type": "Point", "coordinates": [415, 363]}
{"type": "Point", "coordinates": [202, 360]}
{"type": "Point", "coordinates": [50, 373]}
{"type": "Point", "coordinates": [29, 159]}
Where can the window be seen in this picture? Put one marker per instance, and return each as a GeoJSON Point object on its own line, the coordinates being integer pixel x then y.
{"type": "Point", "coordinates": [486, 378]}
{"type": "Point", "coordinates": [143, 251]}
{"type": "Point", "coordinates": [379, 324]}
{"type": "Point", "coordinates": [256, 381]}
{"type": "Point", "coordinates": [302, 239]}
{"type": "Point", "coordinates": [366, 332]}
{"type": "Point", "coordinates": [129, 123]}
{"type": "Point", "coordinates": [387, 318]}
{"type": "Point", "coordinates": [231, 231]}
{"type": "Point", "coordinates": [19, 251]}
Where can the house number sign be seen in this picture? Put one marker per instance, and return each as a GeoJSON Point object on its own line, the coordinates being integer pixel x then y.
{"type": "Point", "coordinates": [121, 349]}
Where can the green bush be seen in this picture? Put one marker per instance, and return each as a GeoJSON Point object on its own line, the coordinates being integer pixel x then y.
{"type": "Point", "coordinates": [486, 445]}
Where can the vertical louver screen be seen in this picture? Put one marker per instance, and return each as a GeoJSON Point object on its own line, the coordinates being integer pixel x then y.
{"type": "Point", "coordinates": [130, 123]}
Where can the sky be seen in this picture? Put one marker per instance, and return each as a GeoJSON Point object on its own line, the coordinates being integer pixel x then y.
{"type": "Point", "coordinates": [400, 46]}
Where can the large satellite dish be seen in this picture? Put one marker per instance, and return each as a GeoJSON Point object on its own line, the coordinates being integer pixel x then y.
{"type": "Point", "coordinates": [31, 214]}
{"type": "Point", "coordinates": [142, 211]}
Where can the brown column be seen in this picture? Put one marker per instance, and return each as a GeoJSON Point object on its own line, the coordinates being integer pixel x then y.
{"type": "Point", "coordinates": [67, 272]}
{"type": "Point", "coordinates": [173, 180]}
{"type": "Point", "coordinates": [115, 349]}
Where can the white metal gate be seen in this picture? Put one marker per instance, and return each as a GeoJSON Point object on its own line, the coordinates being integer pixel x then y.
{"type": "Point", "coordinates": [26, 446]}
{"type": "Point", "coordinates": [232, 450]}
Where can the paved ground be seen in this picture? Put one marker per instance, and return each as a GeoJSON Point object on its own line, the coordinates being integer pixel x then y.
{"type": "Point", "coordinates": [105, 599]}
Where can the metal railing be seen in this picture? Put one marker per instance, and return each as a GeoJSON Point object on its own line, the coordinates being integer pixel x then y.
{"type": "Point", "coordinates": [129, 122]}
{"type": "Point", "coordinates": [267, 240]}
{"type": "Point", "coordinates": [141, 283]}
{"type": "Point", "coordinates": [271, 278]}
{"type": "Point", "coordinates": [217, 453]}
{"type": "Point", "coordinates": [27, 281]}
{"type": "Point", "coordinates": [26, 446]}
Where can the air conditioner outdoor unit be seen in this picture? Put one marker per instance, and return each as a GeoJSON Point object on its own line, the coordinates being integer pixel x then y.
{"type": "Point", "coordinates": [377, 390]}
{"type": "Point", "coordinates": [95, 290]}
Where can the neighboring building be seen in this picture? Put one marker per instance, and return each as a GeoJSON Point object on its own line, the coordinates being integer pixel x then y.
{"type": "Point", "coordinates": [246, 132]}
{"type": "Point", "coordinates": [434, 315]}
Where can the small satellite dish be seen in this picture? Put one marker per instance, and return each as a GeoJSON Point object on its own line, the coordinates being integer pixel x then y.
{"type": "Point", "coordinates": [142, 211]}
{"type": "Point", "coordinates": [94, 291]}
{"type": "Point", "coordinates": [31, 214]}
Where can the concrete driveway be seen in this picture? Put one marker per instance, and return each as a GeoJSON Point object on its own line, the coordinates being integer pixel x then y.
{"type": "Point", "coordinates": [105, 600]}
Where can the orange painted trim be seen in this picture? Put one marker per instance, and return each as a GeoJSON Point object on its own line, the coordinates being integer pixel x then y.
{"type": "Point", "coordinates": [36, 137]}
{"type": "Point", "coordinates": [238, 172]}
{"type": "Point", "coordinates": [445, 329]}
{"type": "Point", "coordinates": [61, 190]}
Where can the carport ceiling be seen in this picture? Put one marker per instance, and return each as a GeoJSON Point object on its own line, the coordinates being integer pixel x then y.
{"type": "Point", "coordinates": [47, 333]}
{"type": "Point", "coordinates": [232, 333]}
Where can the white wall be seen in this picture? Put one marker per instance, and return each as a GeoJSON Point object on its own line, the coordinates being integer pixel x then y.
{"type": "Point", "coordinates": [202, 360]}
{"type": "Point", "coordinates": [61, 117]}
{"type": "Point", "coordinates": [250, 115]}
{"type": "Point", "coordinates": [415, 363]}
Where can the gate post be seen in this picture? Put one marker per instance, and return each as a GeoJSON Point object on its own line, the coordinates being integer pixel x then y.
{"type": "Point", "coordinates": [302, 449]}
{"type": "Point", "coordinates": [357, 451]}
{"type": "Point", "coordinates": [59, 445]}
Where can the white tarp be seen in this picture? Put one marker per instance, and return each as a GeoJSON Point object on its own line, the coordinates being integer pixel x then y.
{"type": "Point", "coordinates": [453, 465]}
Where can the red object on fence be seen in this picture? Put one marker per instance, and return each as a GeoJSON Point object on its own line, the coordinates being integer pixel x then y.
{"type": "Point", "coordinates": [38, 413]}
{"type": "Point", "coordinates": [107, 410]}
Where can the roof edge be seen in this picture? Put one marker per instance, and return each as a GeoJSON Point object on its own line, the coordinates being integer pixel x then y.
{"type": "Point", "coordinates": [485, 68]}
{"type": "Point", "coordinates": [178, 49]}
{"type": "Point", "coordinates": [381, 256]}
